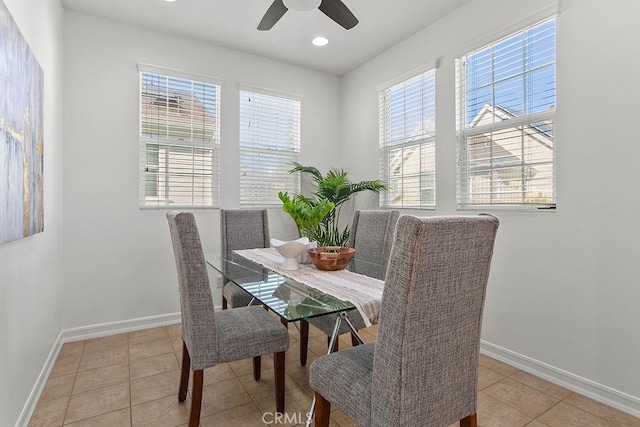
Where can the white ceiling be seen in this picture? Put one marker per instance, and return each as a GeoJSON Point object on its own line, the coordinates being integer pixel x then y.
{"type": "Point", "coordinates": [232, 24]}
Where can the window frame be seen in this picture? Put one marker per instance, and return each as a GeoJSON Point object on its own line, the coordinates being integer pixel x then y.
{"type": "Point", "coordinates": [175, 143]}
{"type": "Point", "coordinates": [527, 124]}
{"type": "Point", "coordinates": [425, 140]}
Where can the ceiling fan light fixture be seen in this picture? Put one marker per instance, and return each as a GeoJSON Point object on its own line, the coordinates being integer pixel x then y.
{"type": "Point", "coordinates": [336, 10]}
{"type": "Point", "coordinates": [320, 41]}
{"type": "Point", "coordinates": [302, 5]}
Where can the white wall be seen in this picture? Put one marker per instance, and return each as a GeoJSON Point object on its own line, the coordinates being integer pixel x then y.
{"type": "Point", "coordinates": [31, 302]}
{"type": "Point", "coordinates": [118, 259]}
{"type": "Point", "coordinates": [564, 286]}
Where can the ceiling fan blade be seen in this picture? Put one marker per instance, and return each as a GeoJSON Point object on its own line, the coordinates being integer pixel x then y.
{"type": "Point", "coordinates": [273, 15]}
{"type": "Point", "coordinates": [339, 12]}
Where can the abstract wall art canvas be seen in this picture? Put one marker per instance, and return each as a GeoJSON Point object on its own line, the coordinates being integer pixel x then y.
{"type": "Point", "coordinates": [21, 134]}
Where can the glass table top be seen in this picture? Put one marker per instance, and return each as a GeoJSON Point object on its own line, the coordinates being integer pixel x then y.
{"type": "Point", "coordinates": [290, 299]}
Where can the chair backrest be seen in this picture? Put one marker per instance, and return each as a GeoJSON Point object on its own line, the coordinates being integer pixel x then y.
{"type": "Point", "coordinates": [196, 303]}
{"type": "Point", "coordinates": [243, 229]}
{"type": "Point", "coordinates": [426, 354]}
{"type": "Point", "coordinates": [372, 234]}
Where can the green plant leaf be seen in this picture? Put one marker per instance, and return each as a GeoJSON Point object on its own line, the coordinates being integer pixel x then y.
{"type": "Point", "coordinates": [334, 188]}
{"type": "Point", "coordinates": [306, 213]}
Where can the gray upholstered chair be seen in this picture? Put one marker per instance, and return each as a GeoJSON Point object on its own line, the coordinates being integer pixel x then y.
{"type": "Point", "coordinates": [371, 236]}
{"type": "Point", "coordinates": [241, 229]}
{"type": "Point", "coordinates": [210, 338]}
{"type": "Point", "coordinates": [423, 368]}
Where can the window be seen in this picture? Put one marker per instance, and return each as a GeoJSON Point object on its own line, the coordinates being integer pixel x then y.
{"type": "Point", "coordinates": [269, 143]}
{"type": "Point", "coordinates": [506, 106]}
{"type": "Point", "coordinates": [179, 140]}
{"type": "Point", "coordinates": [407, 142]}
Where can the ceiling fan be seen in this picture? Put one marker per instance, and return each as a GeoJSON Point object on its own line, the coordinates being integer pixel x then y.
{"type": "Point", "coordinates": [334, 9]}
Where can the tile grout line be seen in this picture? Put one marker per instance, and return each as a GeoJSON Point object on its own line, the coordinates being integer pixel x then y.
{"type": "Point", "coordinates": [95, 416]}
{"type": "Point", "coordinates": [75, 377]}
{"type": "Point", "coordinates": [535, 389]}
{"type": "Point", "coordinates": [95, 389]}
{"type": "Point", "coordinates": [511, 406]}
{"type": "Point", "coordinates": [588, 412]}
{"type": "Point", "coordinates": [536, 418]}
{"type": "Point", "coordinates": [541, 391]}
{"type": "Point", "coordinates": [99, 388]}
{"type": "Point", "coordinates": [245, 388]}
{"type": "Point", "coordinates": [178, 360]}
{"type": "Point", "coordinates": [129, 364]}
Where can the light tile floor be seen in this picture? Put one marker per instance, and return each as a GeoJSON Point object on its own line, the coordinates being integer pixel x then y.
{"type": "Point", "coordinates": [132, 380]}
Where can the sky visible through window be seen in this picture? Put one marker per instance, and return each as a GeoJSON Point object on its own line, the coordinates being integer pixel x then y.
{"type": "Point", "coordinates": [411, 109]}
{"type": "Point", "coordinates": [517, 73]}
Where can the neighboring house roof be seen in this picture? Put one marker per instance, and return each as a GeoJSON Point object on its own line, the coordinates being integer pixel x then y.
{"type": "Point", "coordinates": [423, 130]}
{"type": "Point", "coordinates": [488, 114]}
{"type": "Point", "coordinates": [179, 111]}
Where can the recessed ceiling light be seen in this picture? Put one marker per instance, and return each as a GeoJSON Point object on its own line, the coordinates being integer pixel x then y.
{"type": "Point", "coordinates": [169, 0]}
{"type": "Point", "coordinates": [320, 41]}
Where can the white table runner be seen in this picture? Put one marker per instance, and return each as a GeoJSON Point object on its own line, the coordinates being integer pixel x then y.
{"type": "Point", "coordinates": [364, 292]}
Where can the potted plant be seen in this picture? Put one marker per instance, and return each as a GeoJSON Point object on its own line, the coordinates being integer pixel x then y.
{"type": "Point", "coordinates": [333, 188]}
{"type": "Point", "coordinates": [306, 213]}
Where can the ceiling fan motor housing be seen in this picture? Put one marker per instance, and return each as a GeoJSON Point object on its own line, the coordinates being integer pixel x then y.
{"type": "Point", "coordinates": [302, 5]}
{"type": "Point", "coordinates": [334, 9]}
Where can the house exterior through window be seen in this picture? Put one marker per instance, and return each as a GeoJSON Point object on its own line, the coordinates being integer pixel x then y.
{"type": "Point", "coordinates": [506, 108]}
{"type": "Point", "coordinates": [179, 140]}
{"type": "Point", "coordinates": [407, 142]}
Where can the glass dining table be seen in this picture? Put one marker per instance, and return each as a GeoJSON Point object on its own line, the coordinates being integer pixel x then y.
{"type": "Point", "coordinates": [290, 299]}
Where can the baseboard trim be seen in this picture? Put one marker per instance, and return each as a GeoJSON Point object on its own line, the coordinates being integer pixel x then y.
{"type": "Point", "coordinates": [36, 391]}
{"type": "Point", "coordinates": [595, 391]}
{"type": "Point", "coordinates": [119, 327]}
{"type": "Point", "coordinates": [84, 333]}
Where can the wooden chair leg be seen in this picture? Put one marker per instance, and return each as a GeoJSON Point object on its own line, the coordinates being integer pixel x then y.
{"type": "Point", "coordinates": [278, 367]}
{"type": "Point", "coordinates": [336, 345]}
{"type": "Point", "coordinates": [469, 421]}
{"type": "Point", "coordinates": [257, 365]}
{"type": "Point", "coordinates": [184, 375]}
{"type": "Point", "coordinates": [196, 401]}
{"type": "Point", "coordinates": [354, 340]}
{"type": "Point", "coordinates": [224, 303]}
{"type": "Point", "coordinates": [323, 411]}
{"type": "Point", "coordinates": [304, 341]}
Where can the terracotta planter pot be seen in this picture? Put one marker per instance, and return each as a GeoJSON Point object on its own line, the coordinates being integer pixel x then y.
{"type": "Point", "coordinates": [331, 258]}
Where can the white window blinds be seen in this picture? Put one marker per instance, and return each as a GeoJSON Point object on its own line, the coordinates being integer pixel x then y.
{"type": "Point", "coordinates": [506, 106]}
{"type": "Point", "coordinates": [269, 143]}
{"type": "Point", "coordinates": [179, 141]}
{"type": "Point", "coordinates": [407, 142]}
